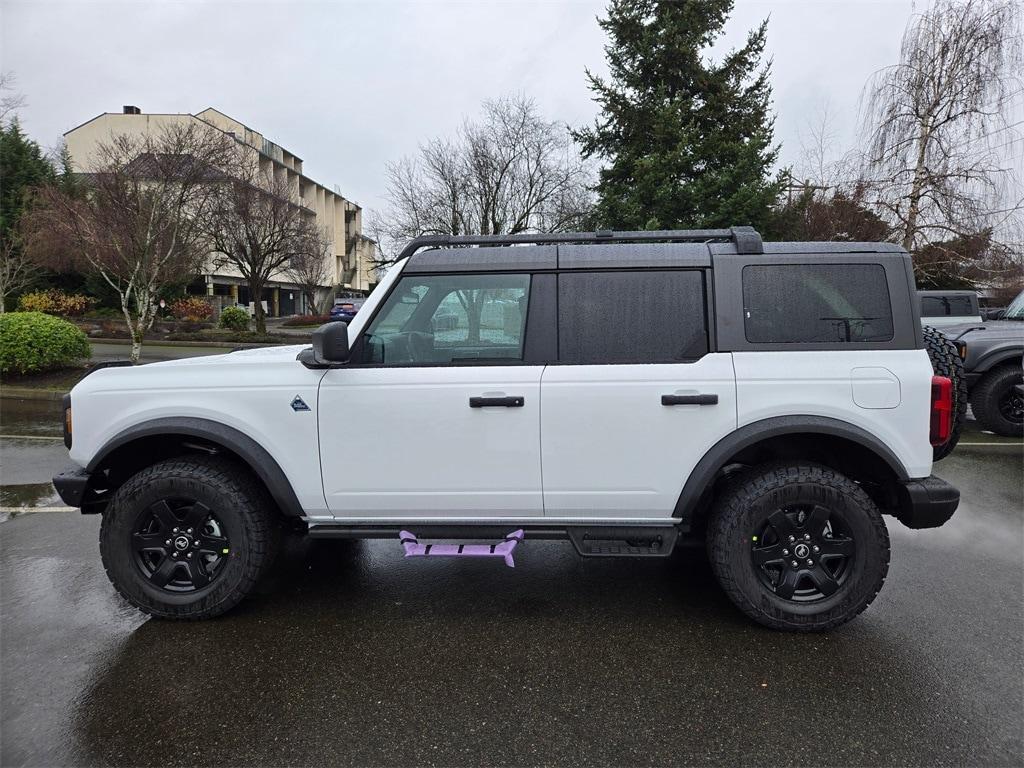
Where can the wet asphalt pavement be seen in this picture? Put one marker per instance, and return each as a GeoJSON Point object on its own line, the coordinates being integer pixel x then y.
{"type": "Point", "coordinates": [350, 655]}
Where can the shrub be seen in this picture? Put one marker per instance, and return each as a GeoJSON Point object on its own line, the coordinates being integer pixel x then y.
{"type": "Point", "coordinates": [32, 341]}
{"type": "Point", "coordinates": [56, 302]}
{"type": "Point", "coordinates": [191, 309]}
{"type": "Point", "coordinates": [302, 320]}
{"type": "Point", "coordinates": [234, 319]}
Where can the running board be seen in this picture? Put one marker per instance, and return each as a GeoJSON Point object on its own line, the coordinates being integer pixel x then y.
{"type": "Point", "coordinates": [413, 548]}
{"type": "Point", "coordinates": [615, 541]}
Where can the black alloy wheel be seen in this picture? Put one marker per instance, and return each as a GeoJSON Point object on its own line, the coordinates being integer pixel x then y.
{"type": "Point", "coordinates": [179, 545]}
{"type": "Point", "coordinates": [803, 553]}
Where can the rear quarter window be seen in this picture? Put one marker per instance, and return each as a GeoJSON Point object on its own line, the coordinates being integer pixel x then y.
{"type": "Point", "coordinates": [816, 304]}
{"type": "Point", "coordinates": [946, 306]}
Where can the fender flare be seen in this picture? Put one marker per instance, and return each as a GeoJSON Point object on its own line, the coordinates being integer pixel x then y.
{"type": "Point", "coordinates": [991, 359]}
{"type": "Point", "coordinates": [707, 469]}
{"type": "Point", "coordinates": [248, 450]}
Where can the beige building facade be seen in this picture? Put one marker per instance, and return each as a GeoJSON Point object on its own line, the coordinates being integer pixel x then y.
{"type": "Point", "coordinates": [350, 254]}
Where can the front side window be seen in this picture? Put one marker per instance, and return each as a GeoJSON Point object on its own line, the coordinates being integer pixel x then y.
{"type": "Point", "coordinates": [816, 303]}
{"type": "Point", "coordinates": [655, 316]}
{"type": "Point", "coordinates": [450, 319]}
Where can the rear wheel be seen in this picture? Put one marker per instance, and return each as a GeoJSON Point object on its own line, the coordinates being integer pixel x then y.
{"type": "Point", "coordinates": [946, 362]}
{"type": "Point", "coordinates": [997, 404]}
{"type": "Point", "coordinates": [799, 548]}
{"type": "Point", "coordinates": [187, 538]}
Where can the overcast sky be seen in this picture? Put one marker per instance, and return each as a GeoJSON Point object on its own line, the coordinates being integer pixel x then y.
{"type": "Point", "coordinates": [348, 86]}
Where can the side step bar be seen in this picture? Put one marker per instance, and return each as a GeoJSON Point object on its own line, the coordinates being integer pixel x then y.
{"type": "Point", "coordinates": [588, 540]}
{"type": "Point", "coordinates": [607, 541]}
{"type": "Point", "coordinates": [413, 548]}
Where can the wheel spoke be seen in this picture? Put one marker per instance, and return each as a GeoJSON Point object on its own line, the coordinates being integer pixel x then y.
{"type": "Point", "coordinates": [197, 572]}
{"type": "Point", "coordinates": [787, 583]}
{"type": "Point", "coordinates": [214, 544]}
{"type": "Point", "coordinates": [815, 524]}
{"type": "Point", "coordinates": [765, 555]}
{"type": "Point", "coordinates": [161, 510]}
{"type": "Point", "coordinates": [163, 573]}
{"type": "Point", "coordinates": [143, 541]}
{"type": "Point", "coordinates": [782, 524]}
{"type": "Point", "coordinates": [823, 580]}
{"type": "Point", "coordinates": [842, 547]}
{"type": "Point", "coordinates": [196, 515]}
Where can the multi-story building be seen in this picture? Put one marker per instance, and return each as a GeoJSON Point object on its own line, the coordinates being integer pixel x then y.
{"type": "Point", "coordinates": [350, 253]}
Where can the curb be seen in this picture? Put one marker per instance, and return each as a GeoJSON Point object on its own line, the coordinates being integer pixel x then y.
{"type": "Point", "coordinates": [31, 393]}
{"type": "Point", "coordinates": [213, 344]}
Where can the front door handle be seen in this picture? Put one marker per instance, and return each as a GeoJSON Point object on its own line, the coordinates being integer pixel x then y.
{"type": "Point", "coordinates": [501, 402]}
{"type": "Point", "coordinates": [689, 399]}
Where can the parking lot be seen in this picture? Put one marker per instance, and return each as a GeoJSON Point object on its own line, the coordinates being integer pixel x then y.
{"type": "Point", "coordinates": [351, 655]}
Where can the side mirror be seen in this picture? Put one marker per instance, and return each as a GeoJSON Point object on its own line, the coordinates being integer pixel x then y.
{"type": "Point", "coordinates": [330, 343]}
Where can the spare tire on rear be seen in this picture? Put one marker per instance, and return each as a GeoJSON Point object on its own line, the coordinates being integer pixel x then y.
{"type": "Point", "coordinates": [946, 362]}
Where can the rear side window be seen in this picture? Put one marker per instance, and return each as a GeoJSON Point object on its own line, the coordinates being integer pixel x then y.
{"type": "Point", "coordinates": [816, 303]}
{"type": "Point", "coordinates": [946, 306]}
{"type": "Point", "coordinates": [631, 317]}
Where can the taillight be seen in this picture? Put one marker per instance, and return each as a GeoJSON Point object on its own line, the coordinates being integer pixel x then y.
{"type": "Point", "coordinates": [942, 410]}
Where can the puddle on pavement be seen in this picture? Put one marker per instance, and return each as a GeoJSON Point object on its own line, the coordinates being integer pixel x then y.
{"type": "Point", "coordinates": [32, 495]}
{"type": "Point", "coordinates": [30, 417]}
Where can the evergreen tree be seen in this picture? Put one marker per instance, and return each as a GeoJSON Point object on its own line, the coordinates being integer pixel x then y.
{"type": "Point", "coordinates": [687, 142]}
{"type": "Point", "coordinates": [23, 167]}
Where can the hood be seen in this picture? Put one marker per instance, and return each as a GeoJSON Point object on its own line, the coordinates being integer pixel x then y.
{"type": "Point", "coordinates": [259, 356]}
{"type": "Point", "coordinates": [990, 329]}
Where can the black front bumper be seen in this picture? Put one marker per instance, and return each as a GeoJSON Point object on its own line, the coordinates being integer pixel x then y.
{"type": "Point", "coordinates": [71, 485]}
{"type": "Point", "coordinates": [926, 503]}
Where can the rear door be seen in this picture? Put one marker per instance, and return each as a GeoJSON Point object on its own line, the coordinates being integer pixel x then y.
{"type": "Point", "coordinates": [438, 414]}
{"type": "Point", "coordinates": [638, 396]}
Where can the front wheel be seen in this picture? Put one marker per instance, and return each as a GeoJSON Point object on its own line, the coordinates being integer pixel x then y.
{"type": "Point", "coordinates": [798, 547]}
{"type": "Point", "coordinates": [187, 538]}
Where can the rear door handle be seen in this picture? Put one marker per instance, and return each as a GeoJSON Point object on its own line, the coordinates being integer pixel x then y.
{"type": "Point", "coordinates": [689, 399]}
{"type": "Point", "coordinates": [501, 402]}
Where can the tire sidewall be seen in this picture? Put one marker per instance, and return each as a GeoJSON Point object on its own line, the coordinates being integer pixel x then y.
{"type": "Point", "coordinates": [121, 522]}
{"type": "Point", "coordinates": [868, 569]}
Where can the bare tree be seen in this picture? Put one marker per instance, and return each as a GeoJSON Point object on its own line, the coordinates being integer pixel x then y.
{"type": "Point", "coordinates": [256, 224]}
{"type": "Point", "coordinates": [135, 220]}
{"type": "Point", "coordinates": [510, 172]}
{"type": "Point", "coordinates": [9, 102]}
{"type": "Point", "coordinates": [311, 269]}
{"type": "Point", "coordinates": [936, 120]}
{"type": "Point", "coordinates": [17, 271]}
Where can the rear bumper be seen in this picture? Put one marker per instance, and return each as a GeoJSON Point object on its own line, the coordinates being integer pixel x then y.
{"type": "Point", "coordinates": [71, 485]}
{"type": "Point", "coordinates": [927, 502]}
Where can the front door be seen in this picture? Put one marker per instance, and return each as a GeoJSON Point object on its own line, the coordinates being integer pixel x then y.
{"type": "Point", "coordinates": [437, 416]}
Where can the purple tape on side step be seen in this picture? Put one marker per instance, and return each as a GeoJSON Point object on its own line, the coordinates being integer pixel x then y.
{"type": "Point", "coordinates": [413, 548]}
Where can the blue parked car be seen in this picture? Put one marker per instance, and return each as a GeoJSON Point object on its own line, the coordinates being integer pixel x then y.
{"type": "Point", "coordinates": [346, 310]}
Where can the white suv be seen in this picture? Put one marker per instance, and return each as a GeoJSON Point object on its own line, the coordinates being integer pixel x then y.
{"type": "Point", "coordinates": [620, 390]}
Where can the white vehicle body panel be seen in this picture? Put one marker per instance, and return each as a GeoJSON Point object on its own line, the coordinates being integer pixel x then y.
{"type": "Point", "coordinates": [419, 450]}
{"type": "Point", "coordinates": [250, 391]}
{"type": "Point", "coordinates": [830, 383]}
{"type": "Point", "coordinates": [611, 449]}
{"type": "Point", "coordinates": [945, 321]}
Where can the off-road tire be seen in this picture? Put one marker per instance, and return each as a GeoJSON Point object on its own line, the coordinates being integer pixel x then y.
{"type": "Point", "coordinates": [946, 362]}
{"type": "Point", "coordinates": [242, 507]}
{"type": "Point", "coordinates": [989, 393]}
{"type": "Point", "coordinates": [758, 492]}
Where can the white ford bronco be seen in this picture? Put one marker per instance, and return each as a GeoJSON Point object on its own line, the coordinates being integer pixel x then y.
{"type": "Point", "coordinates": [624, 391]}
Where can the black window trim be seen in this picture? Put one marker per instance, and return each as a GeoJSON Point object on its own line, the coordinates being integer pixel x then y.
{"type": "Point", "coordinates": [728, 294]}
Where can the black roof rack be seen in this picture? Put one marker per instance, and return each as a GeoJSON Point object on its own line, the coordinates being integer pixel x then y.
{"type": "Point", "coordinates": [746, 239]}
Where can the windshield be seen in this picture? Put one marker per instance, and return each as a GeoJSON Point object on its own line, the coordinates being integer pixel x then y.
{"type": "Point", "coordinates": [1016, 309]}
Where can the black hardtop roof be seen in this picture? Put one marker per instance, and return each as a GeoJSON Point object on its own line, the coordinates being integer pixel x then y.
{"type": "Point", "coordinates": [583, 250]}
